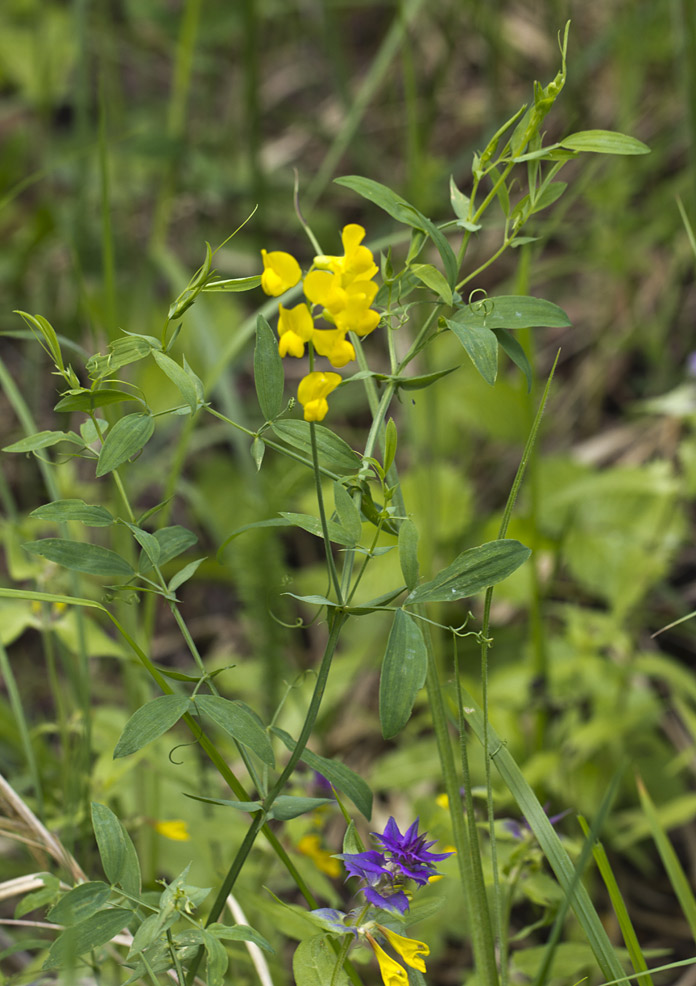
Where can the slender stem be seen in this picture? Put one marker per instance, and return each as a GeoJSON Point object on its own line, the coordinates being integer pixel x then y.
{"type": "Point", "coordinates": [330, 563]}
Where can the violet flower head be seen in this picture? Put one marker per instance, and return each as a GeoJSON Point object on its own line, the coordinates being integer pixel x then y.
{"type": "Point", "coordinates": [386, 872]}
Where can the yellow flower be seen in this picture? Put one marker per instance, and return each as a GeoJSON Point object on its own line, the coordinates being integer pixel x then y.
{"type": "Point", "coordinates": [357, 262]}
{"type": "Point", "coordinates": [442, 801]}
{"type": "Point", "coordinates": [324, 288]}
{"type": "Point", "coordinates": [393, 974]}
{"type": "Point", "coordinates": [310, 845]}
{"type": "Point", "coordinates": [295, 328]}
{"type": "Point", "coordinates": [409, 949]}
{"type": "Point", "coordinates": [177, 830]}
{"type": "Point", "coordinates": [280, 272]}
{"type": "Point", "coordinates": [332, 343]}
{"type": "Point", "coordinates": [313, 391]}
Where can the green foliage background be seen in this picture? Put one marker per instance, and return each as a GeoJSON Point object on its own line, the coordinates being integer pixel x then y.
{"type": "Point", "coordinates": [134, 132]}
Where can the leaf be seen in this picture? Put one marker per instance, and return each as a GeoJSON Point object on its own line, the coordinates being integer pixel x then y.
{"type": "Point", "coordinates": [38, 898]}
{"type": "Point", "coordinates": [549, 194]}
{"type": "Point", "coordinates": [516, 353]}
{"type": "Point", "coordinates": [404, 212]}
{"type": "Point", "coordinates": [511, 312]}
{"type": "Point", "coordinates": [128, 436]}
{"type": "Point", "coordinates": [347, 512]}
{"type": "Point", "coordinates": [481, 345]}
{"type": "Point", "coordinates": [234, 284]}
{"type": "Point", "coordinates": [390, 443]}
{"type": "Point", "coordinates": [423, 380]}
{"type": "Point", "coordinates": [335, 455]}
{"type": "Point", "coordinates": [88, 400]}
{"type": "Point", "coordinates": [80, 903]}
{"type": "Point", "coordinates": [472, 571]}
{"type": "Point", "coordinates": [37, 323]}
{"type": "Point", "coordinates": [604, 142]}
{"type": "Point", "coordinates": [314, 964]}
{"type": "Point", "coordinates": [149, 722]}
{"type": "Point", "coordinates": [258, 450]}
{"type": "Point", "coordinates": [63, 510]}
{"type": "Point", "coordinates": [217, 960]}
{"type": "Point", "coordinates": [403, 674]}
{"type": "Point", "coordinates": [268, 371]}
{"type": "Point", "coordinates": [238, 932]}
{"type": "Point", "coordinates": [148, 542]}
{"type": "Point", "coordinates": [240, 722]}
{"type": "Point", "coordinates": [116, 850]}
{"type": "Point", "coordinates": [343, 778]}
{"type": "Point", "coordinates": [460, 202]}
{"type": "Point", "coordinates": [80, 556]}
{"type": "Point", "coordinates": [43, 439]}
{"type": "Point", "coordinates": [181, 378]}
{"type": "Point", "coordinates": [97, 930]}
{"type": "Point", "coordinates": [408, 552]}
{"type": "Point", "coordinates": [173, 541]}
{"type": "Point", "coordinates": [122, 351]}
{"type": "Point", "coordinates": [184, 574]}
{"type": "Point", "coordinates": [432, 278]}
{"type": "Point", "coordinates": [313, 526]}
{"type": "Point", "coordinates": [288, 806]}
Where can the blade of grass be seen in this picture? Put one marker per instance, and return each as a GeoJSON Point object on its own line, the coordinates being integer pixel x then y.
{"type": "Point", "coordinates": [675, 871]}
{"type": "Point", "coordinates": [617, 902]}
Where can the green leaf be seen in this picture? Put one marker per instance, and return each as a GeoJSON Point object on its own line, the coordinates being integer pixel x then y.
{"type": "Point", "coordinates": [38, 898]}
{"type": "Point", "coordinates": [404, 212]}
{"type": "Point", "coordinates": [184, 574]}
{"type": "Point", "coordinates": [173, 541]}
{"type": "Point", "coordinates": [129, 349]}
{"type": "Point", "coordinates": [390, 443]}
{"type": "Point", "coordinates": [39, 324]}
{"type": "Point", "coordinates": [347, 512]}
{"type": "Point", "coordinates": [472, 571]}
{"type": "Point", "coordinates": [88, 400]}
{"type": "Point", "coordinates": [240, 722]}
{"type": "Point", "coordinates": [314, 964]}
{"type": "Point", "coordinates": [80, 557]}
{"type": "Point", "coordinates": [148, 542]}
{"type": "Point", "coordinates": [343, 778]}
{"type": "Point", "coordinates": [234, 284]}
{"type": "Point", "coordinates": [216, 960]}
{"type": "Point", "coordinates": [43, 439]}
{"type": "Point", "coordinates": [549, 194]}
{"type": "Point", "coordinates": [604, 142]}
{"type": "Point", "coordinates": [268, 371]}
{"type": "Point", "coordinates": [249, 806]}
{"type": "Point", "coordinates": [149, 722]}
{"type": "Point", "coordinates": [63, 510]}
{"type": "Point", "coordinates": [97, 930]}
{"type": "Point", "coordinates": [481, 345]}
{"type": "Point", "coordinates": [258, 450]}
{"type": "Point", "coordinates": [182, 379]}
{"type": "Point", "coordinates": [335, 455]}
{"type": "Point", "coordinates": [403, 674]}
{"type": "Point", "coordinates": [80, 903]}
{"type": "Point", "coordinates": [313, 526]}
{"type": "Point", "coordinates": [460, 202]}
{"type": "Point", "coordinates": [432, 278]}
{"type": "Point", "coordinates": [116, 850]}
{"type": "Point", "coordinates": [238, 932]}
{"type": "Point", "coordinates": [516, 353]}
{"type": "Point", "coordinates": [422, 381]}
{"type": "Point", "coordinates": [511, 312]}
{"type": "Point", "coordinates": [288, 806]}
{"type": "Point", "coordinates": [408, 552]}
{"type": "Point", "coordinates": [128, 436]}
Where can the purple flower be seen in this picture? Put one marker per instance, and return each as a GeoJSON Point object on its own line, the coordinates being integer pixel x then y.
{"type": "Point", "coordinates": [403, 857]}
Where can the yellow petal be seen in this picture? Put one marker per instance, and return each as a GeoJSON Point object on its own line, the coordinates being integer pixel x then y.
{"type": "Point", "coordinates": [177, 830]}
{"type": "Point", "coordinates": [393, 974]}
{"type": "Point", "coordinates": [310, 845]}
{"type": "Point", "coordinates": [295, 328]}
{"type": "Point", "coordinates": [333, 344]}
{"type": "Point", "coordinates": [313, 391]}
{"type": "Point", "coordinates": [280, 272]}
{"type": "Point", "coordinates": [324, 288]}
{"type": "Point", "coordinates": [409, 949]}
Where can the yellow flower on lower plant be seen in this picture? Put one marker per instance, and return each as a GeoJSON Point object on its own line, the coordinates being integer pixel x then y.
{"type": "Point", "coordinates": [280, 272]}
{"type": "Point", "coordinates": [310, 845]}
{"type": "Point", "coordinates": [313, 391]}
{"type": "Point", "coordinates": [392, 973]}
{"type": "Point", "coordinates": [295, 328]}
{"type": "Point", "coordinates": [409, 949]}
{"type": "Point", "coordinates": [176, 829]}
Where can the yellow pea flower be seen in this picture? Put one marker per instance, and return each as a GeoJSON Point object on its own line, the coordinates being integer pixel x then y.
{"type": "Point", "coordinates": [409, 949]}
{"type": "Point", "coordinates": [333, 344]}
{"type": "Point", "coordinates": [324, 288]}
{"type": "Point", "coordinates": [295, 328]}
{"type": "Point", "coordinates": [313, 391]}
{"type": "Point", "coordinates": [176, 830]}
{"type": "Point", "coordinates": [280, 272]}
{"type": "Point", "coordinates": [358, 262]}
{"type": "Point", "coordinates": [310, 845]}
{"type": "Point", "coordinates": [392, 973]}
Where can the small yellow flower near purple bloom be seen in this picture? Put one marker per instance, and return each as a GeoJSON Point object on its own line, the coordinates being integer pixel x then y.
{"type": "Point", "coordinates": [344, 289]}
{"type": "Point", "coordinates": [176, 830]}
{"type": "Point", "coordinates": [310, 845]}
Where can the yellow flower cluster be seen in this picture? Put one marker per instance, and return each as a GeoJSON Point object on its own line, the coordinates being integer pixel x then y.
{"type": "Point", "coordinates": [344, 289]}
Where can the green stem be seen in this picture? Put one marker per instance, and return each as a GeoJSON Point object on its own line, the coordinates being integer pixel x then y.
{"type": "Point", "coordinates": [330, 564]}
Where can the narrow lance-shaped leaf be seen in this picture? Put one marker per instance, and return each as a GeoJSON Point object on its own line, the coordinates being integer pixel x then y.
{"type": "Point", "coordinates": [240, 722]}
{"type": "Point", "coordinates": [182, 379]}
{"type": "Point", "coordinates": [97, 930]}
{"type": "Point", "coordinates": [91, 559]}
{"type": "Point", "coordinates": [511, 312]}
{"type": "Point", "coordinates": [403, 673]}
{"type": "Point", "coordinates": [481, 345]}
{"type": "Point", "coordinates": [472, 571]}
{"type": "Point", "coordinates": [63, 510]}
{"type": "Point", "coordinates": [43, 439]}
{"type": "Point", "coordinates": [127, 437]}
{"type": "Point", "coordinates": [604, 142]}
{"type": "Point", "coordinates": [347, 512]}
{"type": "Point", "coordinates": [334, 454]}
{"type": "Point", "coordinates": [408, 552]}
{"type": "Point", "coordinates": [268, 371]}
{"type": "Point", "coordinates": [116, 850]}
{"type": "Point", "coordinates": [149, 722]}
